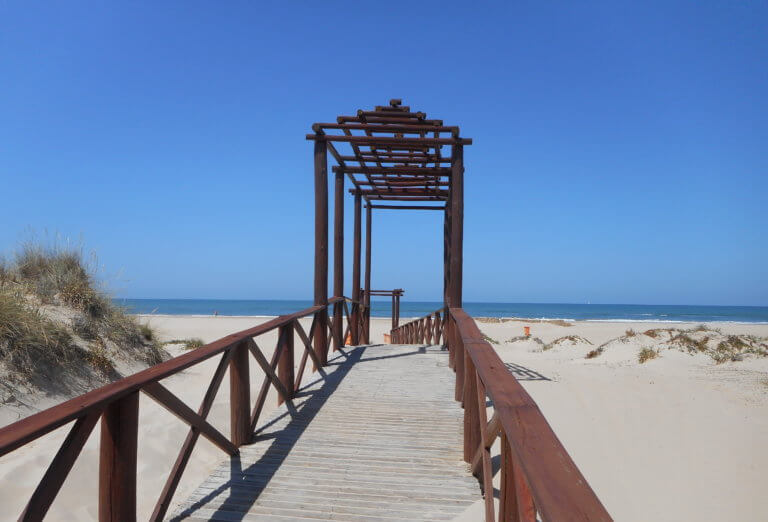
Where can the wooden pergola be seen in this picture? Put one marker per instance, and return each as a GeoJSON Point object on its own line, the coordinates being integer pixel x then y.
{"type": "Point", "coordinates": [395, 161]}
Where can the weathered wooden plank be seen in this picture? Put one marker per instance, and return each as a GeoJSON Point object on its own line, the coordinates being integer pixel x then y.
{"type": "Point", "coordinates": [354, 447]}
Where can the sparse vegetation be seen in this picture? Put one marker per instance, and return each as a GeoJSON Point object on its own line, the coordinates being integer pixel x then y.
{"type": "Point", "coordinates": [646, 354]}
{"type": "Point", "coordinates": [30, 343]}
{"type": "Point", "coordinates": [574, 339]}
{"type": "Point", "coordinates": [698, 340]}
{"type": "Point", "coordinates": [489, 339]}
{"type": "Point", "coordinates": [653, 333]}
{"type": "Point", "coordinates": [189, 344]}
{"type": "Point", "coordinates": [525, 338]}
{"type": "Point", "coordinates": [684, 340]}
{"type": "Point", "coordinates": [594, 353]}
{"type": "Point", "coordinates": [53, 316]}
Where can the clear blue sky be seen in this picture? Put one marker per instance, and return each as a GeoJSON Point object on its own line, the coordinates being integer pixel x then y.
{"type": "Point", "coordinates": [620, 156]}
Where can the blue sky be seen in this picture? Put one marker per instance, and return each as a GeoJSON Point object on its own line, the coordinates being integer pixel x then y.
{"type": "Point", "coordinates": [619, 148]}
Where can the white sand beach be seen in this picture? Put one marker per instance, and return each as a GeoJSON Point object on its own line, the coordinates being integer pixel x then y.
{"type": "Point", "coordinates": [678, 437]}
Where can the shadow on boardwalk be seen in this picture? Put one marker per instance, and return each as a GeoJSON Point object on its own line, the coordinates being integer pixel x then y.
{"type": "Point", "coordinates": [243, 491]}
{"type": "Point", "coordinates": [352, 446]}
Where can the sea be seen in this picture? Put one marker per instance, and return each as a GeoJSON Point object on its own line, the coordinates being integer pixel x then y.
{"type": "Point", "coordinates": [410, 309]}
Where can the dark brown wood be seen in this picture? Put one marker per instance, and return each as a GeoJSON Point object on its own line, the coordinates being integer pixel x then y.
{"type": "Point", "coordinates": [338, 260]}
{"type": "Point", "coordinates": [239, 395]}
{"type": "Point", "coordinates": [307, 341]}
{"type": "Point", "coordinates": [117, 460]}
{"type": "Point", "coordinates": [446, 254]}
{"type": "Point", "coordinates": [507, 495]}
{"type": "Point", "coordinates": [415, 192]}
{"type": "Point", "coordinates": [526, 510]}
{"type": "Point", "coordinates": [173, 404]}
{"type": "Point", "coordinates": [485, 452]}
{"type": "Point", "coordinates": [407, 207]}
{"type": "Point", "coordinates": [416, 171]}
{"type": "Point", "coordinates": [388, 140]}
{"type": "Point", "coordinates": [284, 365]}
{"type": "Point", "coordinates": [458, 361]}
{"type": "Point", "coordinates": [367, 295]}
{"type": "Point", "coordinates": [321, 247]}
{"type": "Point", "coordinates": [57, 472]}
{"type": "Point", "coordinates": [356, 244]}
{"type": "Point", "coordinates": [34, 426]}
{"type": "Point", "coordinates": [557, 486]}
{"type": "Point", "coordinates": [373, 127]}
{"type": "Point", "coordinates": [398, 157]}
{"type": "Point", "coordinates": [400, 120]}
{"type": "Point", "coordinates": [262, 396]}
{"type": "Point", "coordinates": [457, 226]}
{"type": "Point", "coordinates": [172, 482]}
{"type": "Point", "coordinates": [491, 431]}
{"type": "Point", "coordinates": [471, 425]}
{"type": "Point", "coordinates": [284, 347]}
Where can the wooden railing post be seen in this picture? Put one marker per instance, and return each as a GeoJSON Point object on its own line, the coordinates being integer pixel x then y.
{"type": "Point", "coordinates": [458, 360]}
{"type": "Point", "coordinates": [239, 395]}
{"type": "Point", "coordinates": [515, 500]}
{"type": "Point", "coordinates": [285, 364]}
{"type": "Point", "coordinates": [471, 422]}
{"type": "Point", "coordinates": [117, 460]}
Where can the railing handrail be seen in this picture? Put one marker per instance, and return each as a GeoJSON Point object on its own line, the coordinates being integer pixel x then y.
{"type": "Point", "coordinates": [559, 489]}
{"type": "Point", "coordinates": [30, 428]}
{"type": "Point", "coordinates": [553, 484]}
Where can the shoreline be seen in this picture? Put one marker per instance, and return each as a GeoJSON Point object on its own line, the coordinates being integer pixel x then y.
{"type": "Point", "coordinates": [404, 320]}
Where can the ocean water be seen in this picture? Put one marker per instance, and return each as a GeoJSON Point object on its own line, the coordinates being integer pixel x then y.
{"type": "Point", "coordinates": [408, 309]}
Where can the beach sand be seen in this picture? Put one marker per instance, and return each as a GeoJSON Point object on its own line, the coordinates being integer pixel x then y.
{"type": "Point", "coordinates": [676, 438]}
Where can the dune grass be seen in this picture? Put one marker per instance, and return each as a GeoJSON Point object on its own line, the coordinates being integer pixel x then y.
{"type": "Point", "coordinates": [192, 343]}
{"type": "Point", "coordinates": [53, 314]}
{"type": "Point", "coordinates": [31, 343]}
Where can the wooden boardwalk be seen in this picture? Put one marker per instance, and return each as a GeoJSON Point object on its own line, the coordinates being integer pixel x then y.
{"type": "Point", "coordinates": [375, 436]}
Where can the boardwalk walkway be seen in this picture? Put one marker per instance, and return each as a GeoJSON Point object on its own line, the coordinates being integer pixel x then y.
{"type": "Point", "coordinates": [375, 436]}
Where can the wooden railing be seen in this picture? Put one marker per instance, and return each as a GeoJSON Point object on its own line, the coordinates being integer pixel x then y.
{"type": "Point", "coordinates": [538, 477]}
{"type": "Point", "coordinates": [117, 405]}
{"type": "Point", "coordinates": [429, 329]}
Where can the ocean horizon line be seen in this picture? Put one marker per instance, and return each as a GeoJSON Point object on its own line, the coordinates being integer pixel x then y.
{"type": "Point", "coordinates": [532, 311]}
{"type": "Point", "coordinates": [402, 300]}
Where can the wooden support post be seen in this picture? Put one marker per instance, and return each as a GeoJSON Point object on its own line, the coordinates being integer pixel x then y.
{"type": "Point", "coordinates": [321, 249]}
{"type": "Point", "coordinates": [338, 260]}
{"type": "Point", "coordinates": [117, 460]}
{"type": "Point", "coordinates": [368, 215]}
{"type": "Point", "coordinates": [447, 253]}
{"type": "Point", "coordinates": [285, 362]}
{"type": "Point", "coordinates": [355, 326]}
{"type": "Point", "coordinates": [239, 396]}
{"type": "Point", "coordinates": [457, 225]}
{"type": "Point", "coordinates": [397, 310]}
{"type": "Point", "coordinates": [394, 313]}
